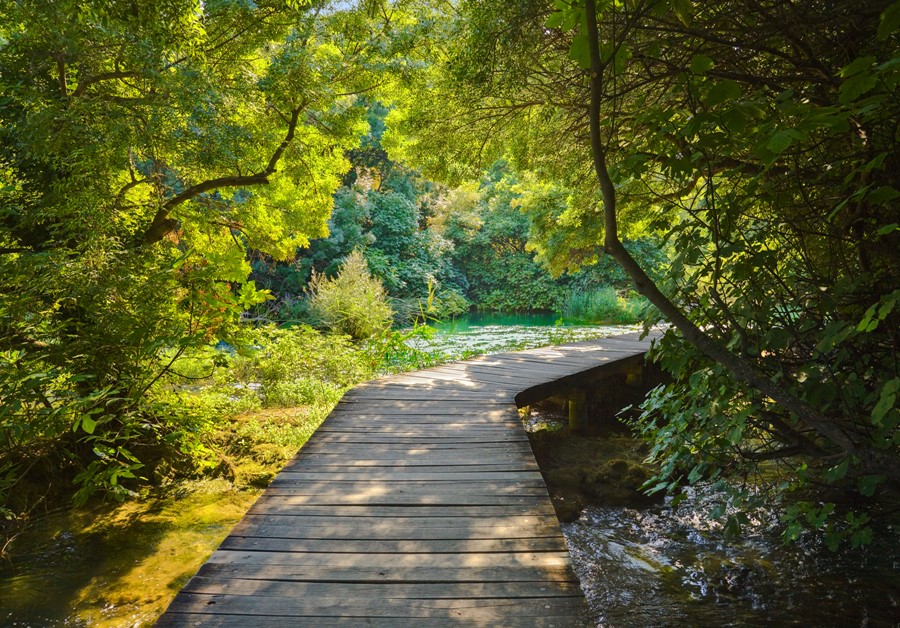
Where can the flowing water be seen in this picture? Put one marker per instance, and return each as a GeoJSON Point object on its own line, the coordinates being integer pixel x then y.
{"type": "Point", "coordinates": [661, 566]}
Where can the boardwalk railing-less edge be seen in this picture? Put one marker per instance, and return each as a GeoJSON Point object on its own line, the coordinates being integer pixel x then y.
{"type": "Point", "coordinates": [418, 502]}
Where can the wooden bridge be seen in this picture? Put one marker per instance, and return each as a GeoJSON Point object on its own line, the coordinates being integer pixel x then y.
{"type": "Point", "coordinates": [418, 502]}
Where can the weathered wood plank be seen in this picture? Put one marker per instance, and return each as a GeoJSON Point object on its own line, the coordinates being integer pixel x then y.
{"type": "Point", "coordinates": [412, 559]}
{"type": "Point", "coordinates": [350, 531]}
{"type": "Point", "coordinates": [402, 498]}
{"type": "Point", "coordinates": [427, 589]}
{"type": "Point", "coordinates": [303, 548]}
{"type": "Point", "coordinates": [457, 458]}
{"type": "Point", "coordinates": [375, 522]}
{"type": "Point", "coordinates": [287, 505]}
{"type": "Point", "coordinates": [407, 474]}
{"type": "Point", "coordinates": [450, 618]}
{"type": "Point", "coordinates": [422, 464]}
{"type": "Point", "coordinates": [496, 610]}
{"type": "Point", "coordinates": [389, 574]}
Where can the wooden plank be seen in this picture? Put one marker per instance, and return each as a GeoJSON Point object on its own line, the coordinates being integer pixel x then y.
{"type": "Point", "coordinates": [328, 461]}
{"type": "Point", "coordinates": [451, 618]}
{"type": "Point", "coordinates": [491, 610]}
{"type": "Point", "coordinates": [463, 411]}
{"type": "Point", "coordinates": [389, 573]}
{"type": "Point", "coordinates": [441, 559]}
{"type": "Point", "coordinates": [407, 474]}
{"type": "Point", "coordinates": [427, 590]}
{"type": "Point", "coordinates": [350, 532]}
{"type": "Point", "coordinates": [317, 442]}
{"type": "Point", "coordinates": [437, 427]}
{"type": "Point", "coordinates": [287, 505]}
{"type": "Point", "coordinates": [436, 488]}
{"type": "Point", "coordinates": [302, 549]}
{"type": "Point", "coordinates": [425, 464]}
{"type": "Point", "coordinates": [401, 498]}
{"type": "Point", "coordinates": [375, 522]}
{"type": "Point", "coordinates": [437, 438]}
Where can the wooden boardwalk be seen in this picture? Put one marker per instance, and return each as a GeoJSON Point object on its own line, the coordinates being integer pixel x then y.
{"type": "Point", "coordinates": [418, 502]}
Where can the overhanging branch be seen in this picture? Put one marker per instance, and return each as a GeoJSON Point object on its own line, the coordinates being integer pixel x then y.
{"type": "Point", "coordinates": [739, 367]}
{"type": "Point", "coordinates": [162, 225]}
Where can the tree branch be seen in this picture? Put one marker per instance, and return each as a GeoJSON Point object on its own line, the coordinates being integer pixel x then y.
{"type": "Point", "coordinates": [99, 78]}
{"type": "Point", "coordinates": [162, 225]}
{"type": "Point", "coordinates": [739, 367]}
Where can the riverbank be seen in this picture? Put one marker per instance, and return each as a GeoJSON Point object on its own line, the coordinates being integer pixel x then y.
{"type": "Point", "coordinates": [111, 564]}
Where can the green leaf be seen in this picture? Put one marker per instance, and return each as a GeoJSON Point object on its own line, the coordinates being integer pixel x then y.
{"type": "Point", "coordinates": [722, 91]}
{"type": "Point", "coordinates": [867, 484]}
{"type": "Point", "coordinates": [836, 472]}
{"type": "Point", "coordinates": [861, 537]}
{"type": "Point", "coordinates": [890, 20]}
{"type": "Point", "coordinates": [700, 64]}
{"type": "Point", "coordinates": [887, 400]}
{"type": "Point", "coordinates": [854, 87]}
{"type": "Point", "coordinates": [883, 194]}
{"type": "Point", "coordinates": [781, 140]}
{"type": "Point", "coordinates": [888, 229]}
{"type": "Point", "coordinates": [859, 65]}
{"type": "Point", "coordinates": [88, 424]}
{"type": "Point", "coordinates": [683, 10]}
{"type": "Point", "coordinates": [580, 52]}
{"type": "Point", "coordinates": [555, 19]}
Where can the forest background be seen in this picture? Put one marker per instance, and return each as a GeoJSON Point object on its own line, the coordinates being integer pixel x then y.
{"type": "Point", "coordinates": [176, 174]}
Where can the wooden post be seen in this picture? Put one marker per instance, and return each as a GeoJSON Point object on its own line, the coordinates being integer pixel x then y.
{"type": "Point", "coordinates": [578, 418]}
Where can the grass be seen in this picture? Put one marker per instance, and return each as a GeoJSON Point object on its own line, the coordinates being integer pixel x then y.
{"type": "Point", "coordinates": [604, 305]}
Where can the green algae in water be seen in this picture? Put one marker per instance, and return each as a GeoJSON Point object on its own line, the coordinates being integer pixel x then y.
{"type": "Point", "coordinates": [115, 565]}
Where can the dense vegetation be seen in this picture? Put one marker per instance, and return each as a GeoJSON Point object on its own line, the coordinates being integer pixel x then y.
{"type": "Point", "coordinates": [175, 173]}
{"type": "Point", "coordinates": [761, 139]}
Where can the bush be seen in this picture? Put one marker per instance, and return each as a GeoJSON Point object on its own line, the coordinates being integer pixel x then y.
{"type": "Point", "coordinates": [299, 366]}
{"type": "Point", "coordinates": [353, 303]}
{"type": "Point", "coordinates": [603, 305]}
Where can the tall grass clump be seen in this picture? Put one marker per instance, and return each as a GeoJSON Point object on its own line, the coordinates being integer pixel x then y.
{"type": "Point", "coordinates": [603, 305]}
{"type": "Point", "coordinates": [353, 303]}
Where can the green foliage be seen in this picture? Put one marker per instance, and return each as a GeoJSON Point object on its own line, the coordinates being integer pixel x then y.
{"type": "Point", "coordinates": [775, 190]}
{"type": "Point", "coordinates": [143, 150]}
{"type": "Point", "coordinates": [298, 366]}
{"type": "Point", "coordinates": [490, 241]}
{"type": "Point", "coordinates": [603, 305]}
{"type": "Point", "coordinates": [353, 303]}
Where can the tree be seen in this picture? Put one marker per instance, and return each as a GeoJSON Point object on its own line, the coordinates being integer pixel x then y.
{"type": "Point", "coordinates": [145, 147]}
{"type": "Point", "coordinates": [761, 139]}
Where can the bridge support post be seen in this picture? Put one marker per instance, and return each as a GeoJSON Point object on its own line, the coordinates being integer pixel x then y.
{"type": "Point", "coordinates": [578, 414]}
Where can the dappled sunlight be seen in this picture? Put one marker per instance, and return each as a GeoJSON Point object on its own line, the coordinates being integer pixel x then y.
{"type": "Point", "coordinates": [121, 565]}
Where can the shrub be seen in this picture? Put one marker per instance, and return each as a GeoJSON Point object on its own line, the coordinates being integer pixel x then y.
{"type": "Point", "coordinates": [299, 366]}
{"type": "Point", "coordinates": [603, 305]}
{"type": "Point", "coordinates": [353, 303]}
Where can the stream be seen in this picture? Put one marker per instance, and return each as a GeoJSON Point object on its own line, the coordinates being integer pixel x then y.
{"type": "Point", "coordinates": [660, 566]}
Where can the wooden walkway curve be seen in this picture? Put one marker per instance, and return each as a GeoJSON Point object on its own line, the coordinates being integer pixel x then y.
{"type": "Point", "coordinates": [418, 502]}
